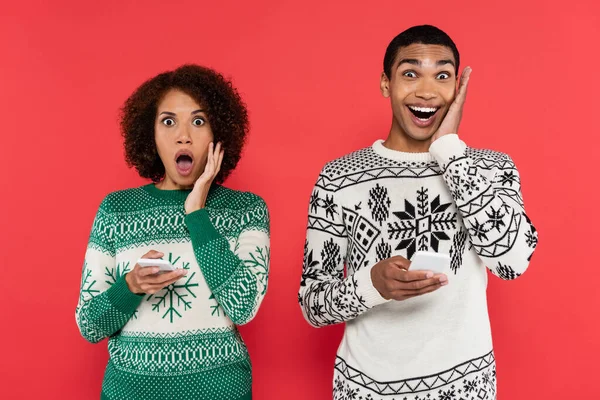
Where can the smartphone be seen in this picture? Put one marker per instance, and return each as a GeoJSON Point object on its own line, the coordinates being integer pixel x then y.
{"type": "Point", "coordinates": [429, 261]}
{"type": "Point", "coordinates": [163, 265]}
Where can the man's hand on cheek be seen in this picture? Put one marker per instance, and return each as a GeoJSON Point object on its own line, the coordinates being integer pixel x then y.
{"type": "Point", "coordinates": [452, 119]}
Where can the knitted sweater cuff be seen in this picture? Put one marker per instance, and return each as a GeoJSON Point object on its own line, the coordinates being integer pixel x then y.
{"type": "Point", "coordinates": [365, 288]}
{"type": "Point", "coordinates": [122, 298]}
{"type": "Point", "coordinates": [447, 148]}
{"type": "Point", "coordinates": [201, 229]}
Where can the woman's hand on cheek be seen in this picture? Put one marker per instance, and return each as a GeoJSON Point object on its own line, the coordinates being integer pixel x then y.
{"type": "Point", "coordinates": [197, 198]}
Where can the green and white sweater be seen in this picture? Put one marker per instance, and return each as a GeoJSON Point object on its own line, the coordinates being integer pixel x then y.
{"type": "Point", "coordinates": [182, 342]}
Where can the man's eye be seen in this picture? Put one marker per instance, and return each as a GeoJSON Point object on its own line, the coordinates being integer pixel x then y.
{"type": "Point", "coordinates": [198, 121]}
{"type": "Point", "coordinates": [444, 75]}
{"type": "Point", "coordinates": [410, 74]}
{"type": "Point", "coordinates": [168, 121]}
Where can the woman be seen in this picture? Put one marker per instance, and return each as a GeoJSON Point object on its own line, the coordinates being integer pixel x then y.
{"type": "Point", "coordinates": [173, 335]}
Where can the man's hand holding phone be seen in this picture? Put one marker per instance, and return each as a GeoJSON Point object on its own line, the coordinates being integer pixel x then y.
{"type": "Point", "coordinates": [393, 280]}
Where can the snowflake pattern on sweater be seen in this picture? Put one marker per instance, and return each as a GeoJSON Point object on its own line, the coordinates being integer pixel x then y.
{"type": "Point", "coordinates": [376, 203]}
{"type": "Point", "coordinates": [182, 341]}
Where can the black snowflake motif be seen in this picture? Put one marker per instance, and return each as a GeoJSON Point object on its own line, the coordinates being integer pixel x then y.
{"type": "Point", "coordinates": [508, 178]}
{"type": "Point", "coordinates": [329, 206]}
{"type": "Point", "coordinates": [351, 394]}
{"type": "Point", "coordinates": [455, 190]}
{"type": "Point", "coordinates": [506, 272]}
{"type": "Point", "coordinates": [383, 250]}
{"type": "Point", "coordinates": [486, 379]}
{"type": "Point", "coordinates": [331, 256]}
{"type": "Point", "coordinates": [315, 202]}
{"type": "Point", "coordinates": [424, 225]}
{"type": "Point", "coordinates": [309, 271]}
{"type": "Point", "coordinates": [447, 395]}
{"type": "Point", "coordinates": [457, 249]}
{"type": "Point", "coordinates": [340, 303]}
{"type": "Point", "coordinates": [479, 230]}
{"type": "Point", "coordinates": [339, 384]}
{"type": "Point", "coordinates": [317, 310]}
{"type": "Point", "coordinates": [471, 386]}
{"type": "Point", "coordinates": [470, 186]}
{"type": "Point", "coordinates": [531, 237]}
{"type": "Point", "coordinates": [379, 203]}
{"type": "Point", "coordinates": [496, 218]}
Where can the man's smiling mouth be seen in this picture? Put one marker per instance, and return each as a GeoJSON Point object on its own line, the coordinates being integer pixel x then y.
{"type": "Point", "coordinates": [423, 113]}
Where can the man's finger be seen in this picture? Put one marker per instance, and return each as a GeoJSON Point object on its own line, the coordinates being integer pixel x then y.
{"type": "Point", "coordinates": [464, 78]}
{"type": "Point", "coordinates": [404, 275]}
{"type": "Point", "coordinates": [421, 292]}
{"type": "Point", "coordinates": [399, 262]}
{"type": "Point", "coordinates": [418, 285]}
{"type": "Point", "coordinates": [399, 259]}
{"type": "Point", "coordinates": [464, 84]}
{"type": "Point", "coordinates": [411, 276]}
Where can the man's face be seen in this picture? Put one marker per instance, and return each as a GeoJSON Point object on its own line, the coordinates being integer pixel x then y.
{"type": "Point", "coordinates": [421, 87]}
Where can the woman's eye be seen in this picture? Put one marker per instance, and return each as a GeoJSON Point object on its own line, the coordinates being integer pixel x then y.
{"type": "Point", "coordinates": [410, 74]}
{"type": "Point", "coordinates": [444, 75]}
{"type": "Point", "coordinates": [198, 122]}
{"type": "Point", "coordinates": [168, 121]}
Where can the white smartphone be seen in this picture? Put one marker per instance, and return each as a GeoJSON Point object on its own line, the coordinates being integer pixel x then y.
{"type": "Point", "coordinates": [429, 261]}
{"type": "Point", "coordinates": [163, 265]}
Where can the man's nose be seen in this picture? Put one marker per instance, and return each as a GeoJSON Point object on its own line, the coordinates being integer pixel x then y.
{"type": "Point", "coordinates": [426, 90]}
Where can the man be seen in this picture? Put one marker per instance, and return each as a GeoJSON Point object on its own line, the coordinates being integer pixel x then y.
{"type": "Point", "coordinates": [412, 334]}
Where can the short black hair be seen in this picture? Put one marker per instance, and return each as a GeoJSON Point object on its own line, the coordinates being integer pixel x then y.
{"type": "Point", "coordinates": [421, 34]}
{"type": "Point", "coordinates": [225, 109]}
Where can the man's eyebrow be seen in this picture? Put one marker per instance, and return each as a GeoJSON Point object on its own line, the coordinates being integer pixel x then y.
{"type": "Point", "coordinates": [414, 61]}
{"type": "Point", "coordinates": [444, 62]}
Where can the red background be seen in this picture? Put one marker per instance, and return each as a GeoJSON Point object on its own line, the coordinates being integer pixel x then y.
{"type": "Point", "coordinates": [309, 72]}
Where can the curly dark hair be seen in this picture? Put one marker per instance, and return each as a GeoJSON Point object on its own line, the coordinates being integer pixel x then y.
{"type": "Point", "coordinates": [224, 107]}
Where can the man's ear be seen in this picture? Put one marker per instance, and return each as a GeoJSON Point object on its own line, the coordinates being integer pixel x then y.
{"type": "Point", "coordinates": [384, 85]}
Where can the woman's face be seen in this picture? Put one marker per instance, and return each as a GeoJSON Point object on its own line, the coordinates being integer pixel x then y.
{"type": "Point", "coordinates": [182, 134]}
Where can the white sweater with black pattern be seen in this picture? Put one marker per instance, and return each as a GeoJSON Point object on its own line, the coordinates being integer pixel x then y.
{"type": "Point", "coordinates": [376, 203]}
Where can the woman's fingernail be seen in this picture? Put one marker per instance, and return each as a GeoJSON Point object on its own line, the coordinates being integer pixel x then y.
{"type": "Point", "coordinates": [429, 275]}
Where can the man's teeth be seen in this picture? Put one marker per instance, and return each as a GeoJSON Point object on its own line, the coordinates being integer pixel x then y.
{"type": "Point", "coordinates": [423, 109]}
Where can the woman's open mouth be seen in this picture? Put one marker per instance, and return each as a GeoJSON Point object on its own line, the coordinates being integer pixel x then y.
{"type": "Point", "coordinates": [184, 161]}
